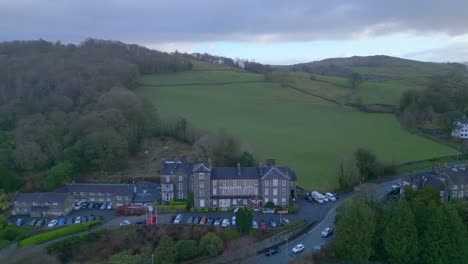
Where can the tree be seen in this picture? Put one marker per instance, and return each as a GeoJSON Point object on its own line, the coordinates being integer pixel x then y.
{"type": "Point", "coordinates": [59, 173]}
{"type": "Point", "coordinates": [186, 249]}
{"type": "Point", "coordinates": [269, 204]}
{"type": "Point", "coordinates": [165, 250]}
{"type": "Point", "coordinates": [244, 217]}
{"type": "Point", "coordinates": [222, 148]}
{"type": "Point", "coordinates": [246, 159]}
{"type": "Point", "coordinates": [355, 229]}
{"type": "Point", "coordinates": [211, 244]}
{"type": "Point", "coordinates": [348, 176]}
{"type": "Point", "coordinates": [355, 79]}
{"type": "Point", "coordinates": [445, 237]}
{"type": "Point", "coordinates": [366, 162]}
{"type": "Point", "coordinates": [401, 235]}
{"type": "Point", "coordinates": [9, 180]}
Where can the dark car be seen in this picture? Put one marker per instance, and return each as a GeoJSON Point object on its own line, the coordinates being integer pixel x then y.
{"type": "Point", "coordinates": [33, 222]}
{"type": "Point", "coordinates": [273, 223]}
{"type": "Point", "coordinates": [190, 220]}
{"type": "Point", "coordinates": [39, 222]}
{"type": "Point", "coordinates": [92, 218]}
{"type": "Point", "coordinates": [84, 219]}
{"type": "Point", "coordinates": [70, 221]}
{"type": "Point", "coordinates": [90, 205]}
{"type": "Point", "coordinates": [272, 251]}
{"type": "Point", "coordinates": [171, 220]}
{"type": "Point", "coordinates": [140, 222]}
{"type": "Point", "coordinates": [210, 221]}
{"type": "Point", "coordinates": [97, 205]}
{"type": "Point", "coordinates": [196, 220]}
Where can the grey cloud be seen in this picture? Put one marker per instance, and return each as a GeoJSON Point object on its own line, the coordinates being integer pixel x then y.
{"type": "Point", "coordinates": [457, 52]}
{"type": "Point", "coordinates": [213, 20]}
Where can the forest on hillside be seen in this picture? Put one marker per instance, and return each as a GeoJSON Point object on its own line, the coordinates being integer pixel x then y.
{"type": "Point", "coordinates": [68, 108]}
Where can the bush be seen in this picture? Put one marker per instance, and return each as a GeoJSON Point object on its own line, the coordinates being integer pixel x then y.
{"type": "Point", "coordinates": [269, 205]}
{"type": "Point", "coordinates": [178, 202]}
{"type": "Point", "coordinates": [211, 244]}
{"type": "Point", "coordinates": [294, 209]}
{"type": "Point", "coordinates": [186, 249]}
{"type": "Point", "coordinates": [64, 231]}
{"type": "Point", "coordinates": [205, 210]}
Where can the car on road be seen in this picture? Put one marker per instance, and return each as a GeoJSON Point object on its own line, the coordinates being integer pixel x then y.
{"type": "Point", "coordinates": [254, 224]}
{"type": "Point", "coordinates": [20, 221]}
{"type": "Point", "coordinates": [272, 251]}
{"type": "Point", "coordinates": [217, 222]}
{"type": "Point", "coordinates": [210, 221]}
{"type": "Point", "coordinates": [327, 232]}
{"type": "Point", "coordinates": [39, 222]}
{"type": "Point", "coordinates": [178, 219]}
{"type": "Point", "coordinates": [61, 221]}
{"type": "Point", "coordinates": [77, 206]}
{"type": "Point", "coordinates": [273, 223]}
{"type": "Point", "coordinates": [52, 223]}
{"type": "Point", "coordinates": [78, 220]}
{"type": "Point", "coordinates": [330, 196]}
{"type": "Point", "coordinates": [190, 220]}
{"type": "Point", "coordinates": [396, 185]}
{"type": "Point", "coordinates": [263, 224]}
{"type": "Point", "coordinates": [33, 222]}
{"type": "Point", "coordinates": [285, 221]}
{"type": "Point", "coordinates": [298, 248]}
{"type": "Point", "coordinates": [140, 222]}
{"type": "Point", "coordinates": [103, 206]}
{"type": "Point", "coordinates": [109, 206]}
{"type": "Point", "coordinates": [69, 221]}
{"type": "Point", "coordinates": [336, 196]}
{"type": "Point", "coordinates": [233, 221]}
{"type": "Point", "coordinates": [268, 211]}
{"type": "Point", "coordinates": [225, 222]}
{"type": "Point", "coordinates": [125, 223]}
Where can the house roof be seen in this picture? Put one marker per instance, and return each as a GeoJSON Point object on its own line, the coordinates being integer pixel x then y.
{"type": "Point", "coordinates": [254, 173]}
{"type": "Point", "coordinates": [456, 176]}
{"type": "Point", "coordinates": [146, 192]}
{"type": "Point", "coordinates": [463, 121]}
{"type": "Point", "coordinates": [173, 166]}
{"type": "Point", "coordinates": [42, 197]}
{"type": "Point", "coordinates": [115, 189]}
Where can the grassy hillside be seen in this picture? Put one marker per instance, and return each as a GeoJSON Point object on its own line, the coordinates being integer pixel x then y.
{"type": "Point", "coordinates": [302, 131]}
{"type": "Point", "coordinates": [377, 68]}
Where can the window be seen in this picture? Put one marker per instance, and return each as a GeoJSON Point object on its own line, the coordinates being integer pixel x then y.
{"type": "Point", "coordinates": [255, 191]}
{"type": "Point", "coordinates": [234, 201]}
{"type": "Point", "coordinates": [127, 198]}
{"type": "Point", "coordinates": [256, 182]}
{"type": "Point", "coordinates": [100, 194]}
{"type": "Point", "coordinates": [215, 202]}
{"type": "Point", "coordinates": [202, 193]}
{"type": "Point", "coordinates": [202, 185]}
{"type": "Point", "coordinates": [180, 177]}
{"type": "Point", "coordinates": [224, 182]}
{"type": "Point", "coordinates": [267, 191]}
{"type": "Point", "coordinates": [283, 191]}
{"type": "Point", "coordinates": [119, 198]}
{"type": "Point", "coordinates": [181, 195]}
{"type": "Point", "coordinates": [215, 183]}
{"type": "Point", "coordinates": [266, 200]}
{"type": "Point", "coordinates": [283, 182]}
{"type": "Point", "coordinates": [244, 191]}
{"type": "Point", "coordinates": [202, 203]}
{"type": "Point", "coordinates": [168, 179]}
{"type": "Point", "coordinates": [234, 191]}
{"type": "Point", "coordinates": [101, 199]}
{"type": "Point", "coordinates": [275, 182]}
{"type": "Point", "coordinates": [82, 193]}
{"type": "Point", "coordinates": [234, 182]}
{"type": "Point", "coordinates": [267, 183]}
{"type": "Point", "coordinates": [92, 199]}
{"type": "Point", "coordinates": [245, 201]}
{"type": "Point", "coordinates": [224, 191]}
{"type": "Point", "coordinates": [180, 186]}
{"type": "Point", "coordinates": [275, 201]}
{"type": "Point", "coordinates": [214, 191]}
{"type": "Point", "coordinates": [108, 194]}
{"type": "Point", "coordinates": [91, 193]}
{"type": "Point", "coordinates": [283, 201]}
{"type": "Point", "coordinates": [75, 193]}
{"type": "Point", "coordinates": [275, 191]}
{"type": "Point", "coordinates": [245, 182]}
{"type": "Point", "coordinates": [201, 176]}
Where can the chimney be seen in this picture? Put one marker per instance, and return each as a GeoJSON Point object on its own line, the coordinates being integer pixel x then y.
{"type": "Point", "coordinates": [238, 169]}
{"type": "Point", "coordinates": [260, 167]}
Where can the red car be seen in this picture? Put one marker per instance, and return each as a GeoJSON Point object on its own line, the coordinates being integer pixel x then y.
{"type": "Point", "coordinates": [263, 224]}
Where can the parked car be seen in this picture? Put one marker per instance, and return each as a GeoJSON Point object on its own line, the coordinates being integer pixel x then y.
{"type": "Point", "coordinates": [210, 221]}
{"type": "Point", "coordinates": [336, 196]}
{"type": "Point", "coordinates": [103, 206]}
{"type": "Point", "coordinates": [61, 221]}
{"type": "Point", "coordinates": [263, 224]}
{"type": "Point", "coordinates": [109, 206]}
{"type": "Point", "coordinates": [285, 221]}
{"type": "Point", "coordinates": [254, 224]}
{"type": "Point", "coordinates": [178, 219]}
{"type": "Point", "coordinates": [39, 222]}
{"type": "Point", "coordinates": [233, 221]}
{"type": "Point", "coordinates": [92, 218]}
{"type": "Point", "coordinates": [33, 222]}
{"type": "Point", "coordinates": [78, 220]}
{"type": "Point", "coordinates": [298, 248]}
{"type": "Point", "coordinates": [125, 223]}
{"type": "Point", "coordinates": [197, 220]}
{"type": "Point", "coordinates": [171, 219]}
{"type": "Point", "coordinates": [70, 221]}
{"type": "Point", "coordinates": [140, 222]}
{"type": "Point", "coordinates": [272, 251]}
{"type": "Point", "coordinates": [20, 221]}
{"type": "Point", "coordinates": [190, 220]}
{"type": "Point", "coordinates": [52, 223]}
{"type": "Point", "coordinates": [327, 232]}
{"type": "Point", "coordinates": [203, 220]}
{"type": "Point", "coordinates": [330, 196]}
{"type": "Point", "coordinates": [217, 222]}
{"type": "Point", "coordinates": [268, 211]}
{"type": "Point", "coordinates": [84, 219]}
{"type": "Point", "coordinates": [273, 223]}
{"type": "Point", "coordinates": [396, 186]}
{"type": "Point", "coordinates": [90, 205]}
{"type": "Point", "coordinates": [283, 212]}
{"type": "Point", "coordinates": [236, 210]}
{"type": "Point", "coordinates": [97, 205]}
{"type": "Point", "coordinates": [225, 222]}
{"type": "Point", "coordinates": [77, 206]}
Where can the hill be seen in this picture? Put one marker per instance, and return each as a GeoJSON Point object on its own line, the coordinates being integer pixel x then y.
{"type": "Point", "coordinates": [378, 67]}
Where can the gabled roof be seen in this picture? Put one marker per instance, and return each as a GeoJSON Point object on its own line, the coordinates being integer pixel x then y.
{"type": "Point", "coordinates": [173, 166]}
{"type": "Point", "coordinates": [225, 173]}
{"type": "Point", "coordinates": [463, 121]}
{"type": "Point", "coordinates": [115, 189]}
{"type": "Point", "coordinates": [456, 176]}
{"type": "Point", "coordinates": [42, 197]}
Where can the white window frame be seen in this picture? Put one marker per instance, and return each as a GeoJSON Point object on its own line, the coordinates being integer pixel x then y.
{"type": "Point", "coordinates": [180, 178]}
{"type": "Point", "coordinates": [255, 191]}
{"type": "Point", "coordinates": [283, 191]}
{"type": "Point", "coordinates": [201, 176]}
{"type": "Point", "coordinates": [214, 191]}
{"type": "Point", "coordinates": [202, 185]}
{"type": "Point", "coordinates": [181, 195]}
{"type": "Point", "coordinates": [275, 201]}
{"type": "Point", "coordinates": [275, 182]}
{"type": "Point", "coordinates": [267, 191]}
{"type": "Point", "coordinates": [168, 179]}
{"type": "Point", "coordinates": [119, 198]}
{"type": "Point", "coordinates": [275, 191]}
{"type": "Point", "coordinates": [224, 191]}
{"type": "Point", "coordinates": [234, 182]}
{"type": "Point", "coordinates": [245, 182]}
{"type": "Point", "coordinates": [267, 183]}
{"type": "Point", "coordinates": [181, 186]}
{"type": "Point", "coordinates": [202, 203]}
{"type": "Point", "coordinates": [283, 183]}
{"type": "Point", "coordinates": [283, 201]}
{"type": "Point", "coordinates": [202, 193]}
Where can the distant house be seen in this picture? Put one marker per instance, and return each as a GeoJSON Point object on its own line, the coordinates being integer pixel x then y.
{"type": "Point", "coordinates": [118, 194]}
{"type": "Point", "coordinates": [457, 181]}
{"type": "Point", "coordinates": [420, 181]}
{"type": "Point", "coordinates": [460, 129]}
{"type": "Point", "coordinates": [43, 204]}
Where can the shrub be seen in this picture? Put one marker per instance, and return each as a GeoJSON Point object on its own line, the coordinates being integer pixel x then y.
{"type": "Point", "coordinates": [178, 202]}
{"type": "Point", "coordinates": [205, 210]}
{"type": "Point", "coordinates": [211, 244]}
{"type": "Point", "coordinates": [294, 209]}
{"type": "Point", "coordinates": [186, 249]}
{"type": "Point", "coordinates": [270, 205]}
{"type": "Point", "coordinates": [64, 231]}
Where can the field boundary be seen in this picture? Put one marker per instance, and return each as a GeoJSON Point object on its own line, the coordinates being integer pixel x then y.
{"type": "Point", "coordinates": [195, 84]}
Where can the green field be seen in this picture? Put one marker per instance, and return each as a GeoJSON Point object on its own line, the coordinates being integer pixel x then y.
{"type": "Point", "coordinates": [298, 130]}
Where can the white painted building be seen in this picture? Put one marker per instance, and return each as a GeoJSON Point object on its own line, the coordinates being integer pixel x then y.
{"type": "Point", "coordinates": [460, 129]}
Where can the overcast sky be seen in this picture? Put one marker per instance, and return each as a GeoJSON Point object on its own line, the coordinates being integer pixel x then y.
{"type": "Point", "coordinates": [270, 31]}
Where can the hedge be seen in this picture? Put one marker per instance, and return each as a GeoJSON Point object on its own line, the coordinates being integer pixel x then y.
{"type": "Point", "coordinates": [172, 208]}
{"type": "Point", "coordinates": [57, 233]}
{"type": "Point", "coordinates": [178, 202]}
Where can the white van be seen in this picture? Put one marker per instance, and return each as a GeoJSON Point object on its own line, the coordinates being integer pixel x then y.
{"type": "Point", "coordinates": [317, 197]}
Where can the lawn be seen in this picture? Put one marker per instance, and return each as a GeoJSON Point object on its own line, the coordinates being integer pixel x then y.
{"type": "Point", "coordinates": [301, 131]}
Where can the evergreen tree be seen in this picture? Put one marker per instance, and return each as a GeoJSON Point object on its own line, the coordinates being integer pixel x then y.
{"type": "Point", "coordinates": [165, 251]}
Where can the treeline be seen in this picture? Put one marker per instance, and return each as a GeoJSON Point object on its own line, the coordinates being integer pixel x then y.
{"type": "Point", "coordinates": [72, 106]}
{"type": "Point", "coordinates": [444, 101]}
{"type": "Point", "coordinates": [415, 229]}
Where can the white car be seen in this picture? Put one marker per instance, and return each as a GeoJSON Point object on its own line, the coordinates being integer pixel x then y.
{"type": "Point", "coordinates": [78, 220]}
{"type": "Point", "coordinates": [330, 196]}
{"type": "Point", "coordinates": [178, 219]}
{"type": "Point", "coordinates": [298, 248]}
{"type": "Point", "coordinates": [233, 222]}
{"type": "Point", "coordinates": [225, 223]}
{"type": "Point", "coordinates": [235, 210]}
{"type": "Point", "coordinates": [77, 206]}
{"type": "Point", "coordinates": [52, 223]}
{"type": "Point", "coordinates": [327, 232]}
{"type": "Point", "coordinates": [396, 186]}
{"type": "Point", "coordinates": [125, 223]}
{"type": "Point", "coordinates": [109, 206]}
